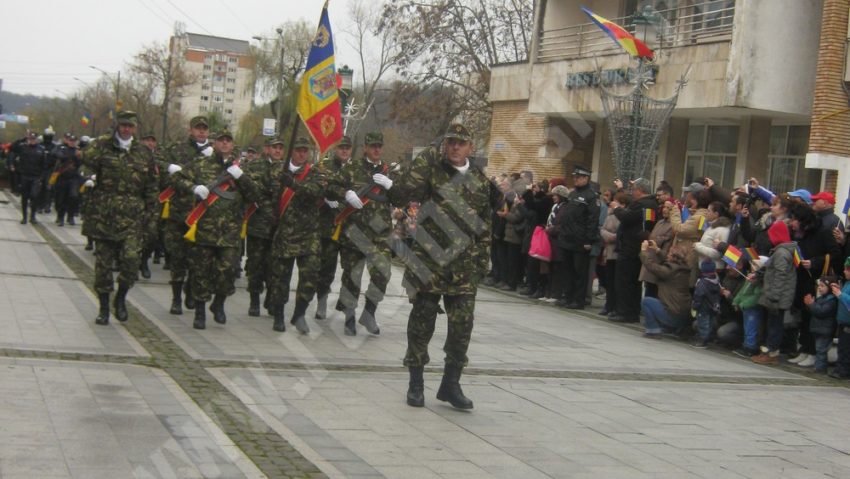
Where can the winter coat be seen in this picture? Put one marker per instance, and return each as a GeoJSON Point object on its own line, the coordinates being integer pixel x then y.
{"type": "Point", "coordinates": [707, 295]}
{"type": "Point", "coordinates": [823, 314]}
{"type": "Point", "coordinates": [608, 233]}
{"type": "Point", "coordinates": [815, 244]}
{"type": "Point", "coordinates": [748, 296]}
{"type": "Point", "coordinates": [779, 278]}
{"type": "Point", "coordinates": [581, 225]}
{"type": "Point", "coordinates": [673, 288]}
{"type": "Point", "coordinates": [662, 234]}
{"type": "Point", "coordinates": [634, 228]}
{"type": "Point", "coordinates": [755, 232]}
{"type": "Point", "coordinates": [297, 233]}
{"type": "Point", "coordinates": [686, 234]}
{"type": "Point", "coordinates": [515, 224]}
{"type": "Point", "coordinates": [553, 227]}
{"type": "Point", "coordinates": [705, 249]}
{"type": "Point", "coordinates": [843, 315]}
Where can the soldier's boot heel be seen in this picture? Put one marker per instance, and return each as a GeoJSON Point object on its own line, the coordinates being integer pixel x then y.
{"type": "Point", "coordinates": [176, 297]}
{"type": "Point", "coordinates": [200, 316]}
{"type": "Point", "coordinates": [279, 319]}
{"type": "Point", "coordinates": [254, 307]}
{"type": "Point", "coordinates": [89, 244]}
{"type": "Point", "coordinates": [298, 316]}
{"type": "Point", "coordinates": [217, 309]}
{"type": "Point", "coordinates": [103, 313]}
{"type": "Point", "coordinates": [450, 390]}
{"type": "Point", "coordinates": [350, 327]}
{"type": "Point", "coordinates": [416, 389]}
{"type": "Point", "coordinates": [322, 306]}
{"type": "Point", "coordinates": [120, 303]}
{"type": "Point", "coordinates": [189, 302]}
{"type": "Point", "coordinates": [367, 318]}
{"type": "Point", "coordinates": [144, 269]}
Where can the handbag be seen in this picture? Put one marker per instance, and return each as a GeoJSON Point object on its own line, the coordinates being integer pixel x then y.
{"type": "Point", "coordinates": [540, 247]}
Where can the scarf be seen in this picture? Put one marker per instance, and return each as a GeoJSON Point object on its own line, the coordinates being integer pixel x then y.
{"type": "Point", "coordinates": [124, 144]}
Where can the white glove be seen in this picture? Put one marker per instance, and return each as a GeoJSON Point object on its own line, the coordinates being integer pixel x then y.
{"type": "Point", "coordinates": [383, 180]}
{"type": "Point", "coordinates": [354, 200]}
{"type": "Point", "coordinates": [172, 168]}
{"type": "Point", "coordinates": [234, 171]}
{"type": "Point", "coordinates": [208, 151]}
{"type": "Point", "coordinates": [89, 184]}
{"type": "Point", "coordinates": [94, 177]}
{"type": "Point", "coordinates": [201, 192]}
{"type": "Point", "coordinates": [333, 204]}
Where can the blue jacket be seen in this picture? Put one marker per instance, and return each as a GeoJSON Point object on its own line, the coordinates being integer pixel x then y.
{"type": "Point", "coordinates": [823, 315]}
{"type": "Point", "coordinates": [707, 296]}
{"type": "Point", "coordinates": [844, 305]}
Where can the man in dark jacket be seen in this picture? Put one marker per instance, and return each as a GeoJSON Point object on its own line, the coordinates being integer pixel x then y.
{"type": "Point", "coordinates": [29, 165]}
{"type": "Point", "coordinates": [577, 235]}
{"type": "Point", "coordinates": [636, 222]}
{"type": "Point", "coordinates": [66, 174]}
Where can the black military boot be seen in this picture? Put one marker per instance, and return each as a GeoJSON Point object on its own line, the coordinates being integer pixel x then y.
{"type": "Point", "coordinates": [254, 307]}
{"type": "Point", "coordinates": [60, 220]}
{"type": "Point", "coordinates": [298, 318]}
{"type": "Point", "coordinates": [143, 267]}
{"type": "Point", "coordinates": [32, 218]}
{"type": "Point", "coordinates": [103, 313]}
{"type": "Point", "coordinates": [120, 305]}
{"type": "Point", "coordinates": [367, 318]}
{"type": "Point", "coordinates": [189, 302]}
{"type": "Point", "coordinates": [200, 316]}
{"type": "Point", "coordinates": [217, 309]}
{"type": "Point", "coordinates": [89, 244]}
{"type": "Point", "coordinates": [350, 327]}
{"type": "Point", "coordinates": [176, 297]}
{"type": "Point", "coordinates": [24, 212]}
{"type": "Point", "coordinates": [450, 389]}
{"type": "Point", "coordinates": [279, 319]}
{"type": "Point", "coordinates": [322, 306]}
{"type": "Point", "coordinates": [416, 389]}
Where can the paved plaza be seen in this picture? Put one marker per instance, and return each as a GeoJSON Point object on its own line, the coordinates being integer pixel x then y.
{"type": "Point", "coordinates": [557, 393]}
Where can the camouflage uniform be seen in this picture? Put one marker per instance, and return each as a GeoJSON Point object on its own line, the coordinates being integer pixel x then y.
{"type": "Point", "coordinates": [328, 167]}
{"type": "Point", "coordinates": [261, 224]}
{"type": "Point", "coordinates": [450, 255]}
{"type": "Point", "coordinates": [365, 235]}
{"type": "Point", "coordinates": [123, 199]}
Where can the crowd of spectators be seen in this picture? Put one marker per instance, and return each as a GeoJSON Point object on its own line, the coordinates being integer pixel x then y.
{"type": "Point", "coordinates": [755, 271]}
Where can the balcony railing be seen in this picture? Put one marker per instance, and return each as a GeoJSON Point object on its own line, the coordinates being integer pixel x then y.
{"type": "Point", "coordinates": [704, 22]}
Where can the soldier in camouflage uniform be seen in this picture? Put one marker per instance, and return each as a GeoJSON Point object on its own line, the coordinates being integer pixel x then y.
{"type": "Point", "coordinates": [123, 198]}
{"type": "Point", "coordinates": [329, 167]}
{"type": "Point", "coordinates": [364, 238]}
{"type": "Point", "coordinates": [299, 188]}
{"type": "Point", "coordinates": [153, 232]}
{"type": "Point", "coordinates": [181, 154]}
{"type": "Point", "coordinates": [450, 256]}
{"type": "Point", "coordinates": [218, 182]}
{"type": "Point", "coordinates": [261, 224]}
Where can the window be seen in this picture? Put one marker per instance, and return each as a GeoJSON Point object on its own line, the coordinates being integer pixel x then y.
{"type": "Point", "coordinates": [205, 86]}
{"type": "Point", "coordinates": [205, 76]}
{"type": "Point", "coordinates": [218, 99]}
{"type": "Point", "coordinates": [207, 67]}
{"type": "Point", "coordinates": [787, 157]}
{"type": "Point", "coordinates": [205, 98]}
{"type": "Point", "coordinates": [231, 80]}
{"type": "Point", "coordinates": [217, 109]}
{"type": "Point", "coordinates": [218, 89]}
{"type": "Point", "coordinates": [712, 152]}
{"type": "Point", "coordinates": [229, 100]}
{"type": "Point", "coordinates": [233, 60]}
{"type": "Point", "coordinates": [229, 112]}
{"type": "Point", "coordinates": [218, 79]}
{"type": "Point", "coordinates": [231, 90]}
{"type": "Point", "coordinates": [203, 108]}
{"type": "Point", "coordinates": [231, 70]}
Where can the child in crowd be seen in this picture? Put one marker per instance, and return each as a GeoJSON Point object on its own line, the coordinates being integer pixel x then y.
{"type": "Point", "coordinates": [747, 301]}
{"type": "Point", "coordinates": [822, 323]}
{"type": "Point", "coordinates": [842, 367]}
{"type": "Point", "coordinates": [779, 280]}
{"type": "Point", "coordinates": [706, 302]}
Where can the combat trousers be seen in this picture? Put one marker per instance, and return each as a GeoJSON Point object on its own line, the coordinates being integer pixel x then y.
{"type": "Point", "coordinates": [212, 271]}
{"type": "Point", "coordinates": [420, 328]}
{"type": "Point", "coordinates": [377, 257]}
{"type": "Point", "coordinates": [67, 198]}
{"type": "Point", "coordinates": [327, 272]}
{"type": "Point", "coordinates": [258, 263]}
{"type": "Point", "coordinates": [127, 253]}
{"type": "Point", "coordinates": [281, 275]}
{"type": "Point", "coordinates": [177, 249]}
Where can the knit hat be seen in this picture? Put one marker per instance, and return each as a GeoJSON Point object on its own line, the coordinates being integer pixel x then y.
{"type": "Point", "coordinates": [707, 267]}
{"type": "Point", "coordinates": [561, 191]}
{"type": "Point", "coordinates": [847, 263]}
{"type": "Point", "coordinates": [778, 233]}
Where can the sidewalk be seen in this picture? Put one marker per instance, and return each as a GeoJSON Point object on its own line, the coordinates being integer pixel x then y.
{"type": "Point", "coordinates": [556, 394]}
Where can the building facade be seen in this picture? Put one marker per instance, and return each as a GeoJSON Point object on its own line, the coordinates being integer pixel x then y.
{"type": "Point", "coordinates": [746, 109]}
{"type": "Point", "coordinates": [222, 69]}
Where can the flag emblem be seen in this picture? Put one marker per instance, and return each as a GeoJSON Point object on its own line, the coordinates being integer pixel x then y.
{"type": "Point", "coordinates": [323, 83]}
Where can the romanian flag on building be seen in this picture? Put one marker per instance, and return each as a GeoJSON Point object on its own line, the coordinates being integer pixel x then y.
{"type": "Point", "coordinates": [649, 214]}
{"type": "Point", "coordinates": [798, 256]}
{"type": "Point", "coordinates": [318, 101]}
{"type": "Point", "coordinates": [635, 47]}
{"type": "Point", "coordinates": [85, 119]}
{"type": "Point", "coordinates": [732, 256]}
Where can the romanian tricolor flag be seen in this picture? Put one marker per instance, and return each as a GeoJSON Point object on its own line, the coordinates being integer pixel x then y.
{"type": "Point", "coordinates": [732, 256]}
{"type": "Point", "coordinates": [649, 214]}
{"type": "Point", "coordinates": [85, 119]}
{"type": "Point", "coordinates": [798, 256]}
{"type": "Point", "coordinates": [703, 224]}
{"type": "Point", "coordinates": [635, 47]}
{"type": "Point", "coordinates": [752, 253]}
{"type": "Point", "coordinates": [318, 101]}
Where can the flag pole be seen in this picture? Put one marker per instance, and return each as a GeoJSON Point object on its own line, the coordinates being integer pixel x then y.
{"type": "Point", "coordinates": [292, 137]}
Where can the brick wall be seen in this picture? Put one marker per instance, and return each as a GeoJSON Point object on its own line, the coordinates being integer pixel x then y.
{"type": "Point", "coordinates": [518, 142]}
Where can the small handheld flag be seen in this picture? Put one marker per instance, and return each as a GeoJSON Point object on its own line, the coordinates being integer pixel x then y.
{"type": "Point", "coordinates": [798, 256]}
{"type": "Point", "coordinates": [635, 47]}
{"type": "Point", "coordinates": [686, 213]}
{"type": "Point", "coordinates": [85, 119]}
{"type": "Point", "coordinates": [752, 253]}
{"type": "Point", "coordinates": [649, 214]}
{"type": "Point", "coordinates": [703, 224]}
{"type": "Point", "coordinates": [732, 255]}
{"type": "Point", "coordinates": [846, 209]}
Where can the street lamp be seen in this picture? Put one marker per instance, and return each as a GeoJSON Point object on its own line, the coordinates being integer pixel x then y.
{"type": "Point", "coordinates": [646, 22]}
{"type": "Point", "coordinates": [117, 84]}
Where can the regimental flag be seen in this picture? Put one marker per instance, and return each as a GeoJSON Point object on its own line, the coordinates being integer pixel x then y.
{"type": "Point", "coordinates": [318, 100]}
{"type": "Point", "coordinates": [635, 47]}
{"type": "Point", "coordinates": [751, 253]}
{"type": "Point", "coordinates": [703, 224]}
{"type": "Point", "coordinates": [732, 256]}
{"type": "Point", "coordinates": [798, 256]}
{"type": "Point", "coordinates": [649, 214]}
{"type": "Point", "coordinates": [85, 119]}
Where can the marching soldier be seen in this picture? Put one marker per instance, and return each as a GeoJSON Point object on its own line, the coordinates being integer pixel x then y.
{"type": "Point", "coordinates": [123, 198]}
{"type": "Point", "coordinates": [176, 206]}
{"type": "Point", "coordinates": [153, 232]}
{"type": "Point", "coordinates": [215, 222]}
{"type": "Point", "coordinates": [450, 255]}
{"type": "Point", "coordinates": [363, 229]}
{"type": "Point", "coordinates": [30, 164]}
{"type": "Point", "coordinates": [66, 180]}
{"type": "Point", "coordinates": [299, 188]}
{"type": "Point", "coordinates": [328, 210]}
{"type": "Point", "coordinates": [261, 220]}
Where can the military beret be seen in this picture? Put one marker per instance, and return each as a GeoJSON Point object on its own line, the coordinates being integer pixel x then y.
{"type": "Point", "coordinates": [199, 120]}
{"type": "Point", "coordinates": [225, 133]}
{"type": "Point", "coordinates": [274, 141]}
{"type": "Point", "coordinates": [458, 131]}
{"type": "Point", "coordinates": [579, 170]}
{"type": "Point", "coordinates": [127, 117]}
{"type": "Point", "coordinates": [301, 142]}
{"type": "Point", "coordinates": [345, 141]}
{"type": "Point", "coordinates": [374, 138]}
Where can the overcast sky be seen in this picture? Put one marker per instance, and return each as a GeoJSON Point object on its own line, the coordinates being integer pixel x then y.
{"type": "Point", "coordinates": [48, 43]}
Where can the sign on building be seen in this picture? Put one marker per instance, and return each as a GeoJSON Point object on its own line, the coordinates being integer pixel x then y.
{"type": "Point", "coordinates": [269, 126]}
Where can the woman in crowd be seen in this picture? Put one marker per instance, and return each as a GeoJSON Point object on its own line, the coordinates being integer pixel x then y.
{"type": "Point", "coordinates": [718, 223]}
{"type": "Point", "coordinates": [661, 235]}
{"type": "Point", "coordinates": [670, 311]}
{"type": "Point", "coordinates": [689, 232]}
{"type": "Point", "coordinates": [553, 226]}
{"type": "Point", "coordinates": [608, 233]}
